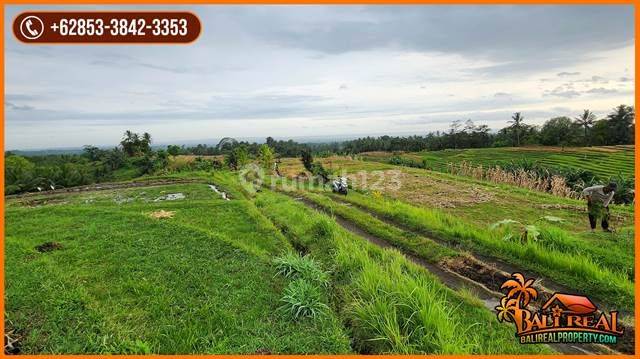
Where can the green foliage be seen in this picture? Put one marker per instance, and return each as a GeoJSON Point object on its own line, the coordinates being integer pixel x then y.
{"type": "Point", "coordinates": [266, 157]}
{"type": "Point", "coordinates": [135, 145]}
{"type": "Point", "coordinates": [237, 158]}
{"type": "Point", "coordinates": [294, 266]}
{"type": "Point", "coordinates": [561, 131]}
{"type": "Point", "coordinates": [402, 161]}
{"type": "Point", "coordinates": [303, 299]}
{"type": "Point", "coordinates": [391, 305]}
{"type": "Point", "coordinates": [173, 150]}
{"type": "Point", "coordinates": [201, 282]}
{"type": "Point", "coordinates": [18, 174]}
{"type": "Point", "coordinates": [307, 160]}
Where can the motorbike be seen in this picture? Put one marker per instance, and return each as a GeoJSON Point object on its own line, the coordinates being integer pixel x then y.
{"type": "Point", "coordinates": [340, 186]}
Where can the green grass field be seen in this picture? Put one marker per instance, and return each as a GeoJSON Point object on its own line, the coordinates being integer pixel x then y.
{"type": "Point", "coordinates": [122, 282]}
{"type": "Point", "coordinates": [128, 271]}
{"type": "Point", "coordinates": [604, 162]}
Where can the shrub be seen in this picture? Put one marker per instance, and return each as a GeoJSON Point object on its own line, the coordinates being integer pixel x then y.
{"type": "Point", "coordinates": [401, 161]}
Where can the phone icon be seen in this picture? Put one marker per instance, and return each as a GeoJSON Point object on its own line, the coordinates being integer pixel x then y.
{"type": "Point", "coordinates": [31, 27]}
{"type": "Point", "coordinates": [28, 25]}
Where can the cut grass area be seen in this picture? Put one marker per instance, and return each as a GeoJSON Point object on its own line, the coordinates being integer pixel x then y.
{"type": "Point", "coordinates": [604, 162]}
{"type": "Point", "coordinates": [390, 304]}
{"type": "Point", "coordinates": [123, 282]}
{"type": "Point", "coordinates": [558, 256]}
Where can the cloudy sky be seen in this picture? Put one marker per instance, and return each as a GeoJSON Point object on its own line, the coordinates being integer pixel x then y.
{"type": "Point", "coordinates": [294, 71]}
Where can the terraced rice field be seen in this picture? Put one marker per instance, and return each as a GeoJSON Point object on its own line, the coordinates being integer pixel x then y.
{"type": "Point", "coordinates": [604, 162]}
{"type": "Point", "coordinates": [168, 265]}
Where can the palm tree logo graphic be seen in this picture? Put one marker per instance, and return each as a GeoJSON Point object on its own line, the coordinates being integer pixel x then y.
{"type": "Point", "coordinates": [513, 306]}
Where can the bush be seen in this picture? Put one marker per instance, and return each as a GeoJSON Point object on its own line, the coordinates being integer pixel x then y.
{"type": "Point", "coordinates": [401, 161]}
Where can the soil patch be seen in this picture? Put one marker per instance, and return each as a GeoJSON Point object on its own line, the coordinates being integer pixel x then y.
{"type": "Point", "coordinates": [162, 214]}
{"type": "Point", "coordinates": [48, 247]}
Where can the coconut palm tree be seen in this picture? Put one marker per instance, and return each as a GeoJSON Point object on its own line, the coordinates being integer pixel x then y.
{"type": "Point", "coordinates": [585, 121]}
{"type": "Point", "coordinates": [517, 122]}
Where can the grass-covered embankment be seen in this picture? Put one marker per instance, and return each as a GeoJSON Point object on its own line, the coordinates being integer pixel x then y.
{"type": "Point", "coordinates": [389, 304]}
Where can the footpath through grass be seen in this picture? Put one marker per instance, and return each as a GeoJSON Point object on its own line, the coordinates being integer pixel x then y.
{"type": "Point", "coordinates": [115, 280]}
{"type": "Point", "coordinates": [389, 304]}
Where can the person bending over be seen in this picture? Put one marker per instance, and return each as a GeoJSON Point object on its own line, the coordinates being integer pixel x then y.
{"type": "Point", "coordinates": [598, 199]}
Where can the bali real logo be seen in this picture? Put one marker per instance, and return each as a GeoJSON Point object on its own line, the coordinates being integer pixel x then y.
{"type": "Point", "coordinates": [563, 318]}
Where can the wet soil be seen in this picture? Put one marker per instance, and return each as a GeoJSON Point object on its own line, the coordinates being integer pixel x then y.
{"type": "Point", "coordinates": [48, 247]}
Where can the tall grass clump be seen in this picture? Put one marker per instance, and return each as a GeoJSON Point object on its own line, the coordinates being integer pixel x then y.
{"type": "Point", "coordinates": [294, 266]}
{"type": "Point", "coordinates": [303, 299]}
{"type": "Point", "coordinates": [561, 182]}
{"type": "Point", "coordinates": [304, 295]}
{"type": "Point", "coordinates": [403, 314]}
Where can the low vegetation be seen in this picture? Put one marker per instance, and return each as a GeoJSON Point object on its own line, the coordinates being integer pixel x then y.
{"type": "Point", "coordinates": [388, 304]}
{"type": "Point", "coordinates": [120, 281]}
{"type": "Point", "coordinates": [569, 266]}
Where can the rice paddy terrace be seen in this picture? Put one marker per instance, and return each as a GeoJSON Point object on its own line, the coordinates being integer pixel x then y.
{"type": "Point", "coordinates": [603, 161]}
{"type": "Point", "coordinates": [407, 262]}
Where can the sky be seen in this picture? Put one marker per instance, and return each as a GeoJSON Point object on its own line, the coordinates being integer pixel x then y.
{"type": "Point", "coordinates": [297, 71]}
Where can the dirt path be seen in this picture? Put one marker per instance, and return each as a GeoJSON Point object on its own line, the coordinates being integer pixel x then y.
{"type": "Point", "coordinates": [474, 275]}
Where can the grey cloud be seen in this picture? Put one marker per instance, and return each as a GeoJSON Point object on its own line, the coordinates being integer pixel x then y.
{"type": "Point", "coordinates": [501, 94]}
{"type": "Point", "coordinates": [127, 63]}
{"type": "Point", "coordinates": [601, 91]}
{"type": "Point", "coordinates": [599, 79]}
{"type": "Point", "coordinates": [561, 91]}
{"type": "Point", "coordinates": [21, 97]}
{"type": "Point", "coordinates": [12, 106]}
{"type": "Point", "coordinates": [565, 74]}
{"type": "Point", "coordinates": [625, 79]}
{"type": "Point", "coordinates": [551, 39]}
{"type": "Point", "coordinates": [217, 108]}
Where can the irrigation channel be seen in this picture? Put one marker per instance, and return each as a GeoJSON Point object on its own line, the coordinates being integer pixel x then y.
{"type": "Point", "coordinates": [479, 276]}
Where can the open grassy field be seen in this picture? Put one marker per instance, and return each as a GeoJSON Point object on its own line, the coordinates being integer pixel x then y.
{"type": "Point", "coordinates": [604, 161]}
{"type": "Point", "coordinates": [113, 279]}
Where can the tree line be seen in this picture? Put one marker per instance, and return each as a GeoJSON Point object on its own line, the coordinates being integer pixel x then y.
{"type": "Point", "coordinates": [135, 156]}
{"type": "Point", "coordinates": [617, 128]}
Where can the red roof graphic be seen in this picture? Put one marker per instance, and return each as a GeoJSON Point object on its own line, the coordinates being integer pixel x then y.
{"type": "Point", "coordinates": [572, 304]}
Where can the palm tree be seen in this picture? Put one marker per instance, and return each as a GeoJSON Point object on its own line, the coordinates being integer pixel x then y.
{"type": "Point", "coordinates": [517, 122]}
{"type": "Point", "coordinates": [586, 120]}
